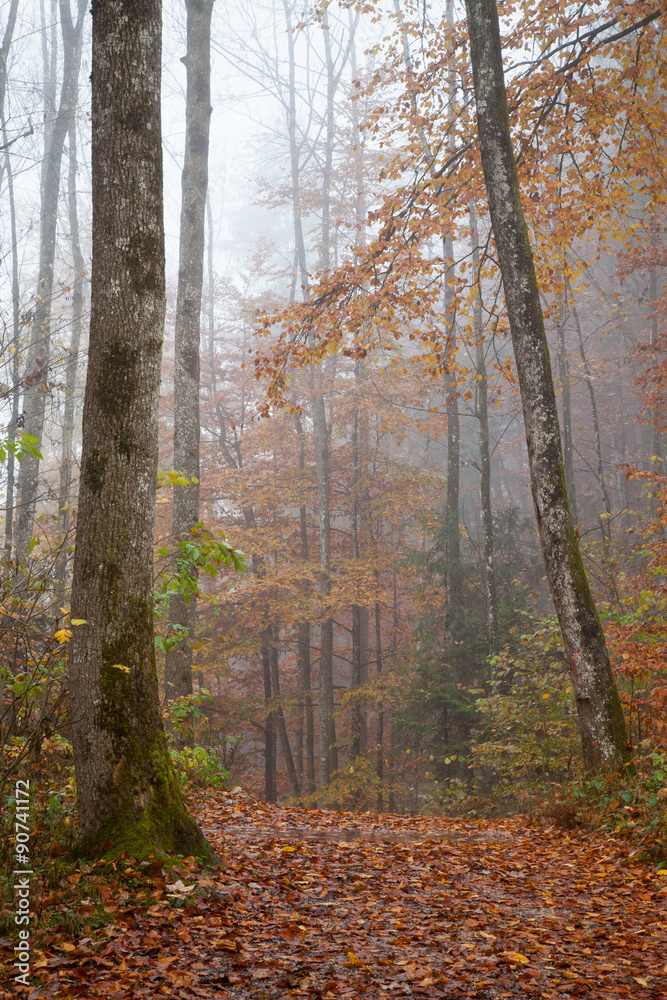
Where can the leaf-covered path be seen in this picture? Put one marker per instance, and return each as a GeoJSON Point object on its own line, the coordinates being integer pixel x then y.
{"type": "Point", "coordinates": [328, 904]}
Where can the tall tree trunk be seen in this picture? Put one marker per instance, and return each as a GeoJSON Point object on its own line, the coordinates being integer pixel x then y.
{"type": "Point", "coordinates": [128, 793]}
{"type": "Point", "coordinates": [355, 720]}
{"type": "Point", "coordinates": [378, 673]}
{"type": "Point", "coordinates": [34, 403]}
{"type": "Point", "coordinates": [492, 622]}
{"type": "Point", "coordinates": [602, 725]}
{"type": "Point", "coordinates": [328, 750]}
{"type": "Point", "coordinates": [16, 316]}
{"type": "Point", "coordinates": [194, 184]}
{"type": "Point", "coordinates": [327, 724]}
{"type": "Point", "coordinates": [67, 456]}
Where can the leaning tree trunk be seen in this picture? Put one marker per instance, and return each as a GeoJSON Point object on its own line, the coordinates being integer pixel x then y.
{"type": "Point", "coordinates": [194, 183]}
{"type": "Point", "coordinates": [34, 403]}
{"type": "Point", "coordinates": [128, 794]}
{"type": "Point", "coordinates": [602, 725]}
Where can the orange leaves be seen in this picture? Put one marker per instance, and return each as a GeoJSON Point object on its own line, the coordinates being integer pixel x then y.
{"type": "Point", "coordinates": [439, 912]}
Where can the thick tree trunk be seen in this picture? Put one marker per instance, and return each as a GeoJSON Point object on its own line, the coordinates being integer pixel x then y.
{"type": "Point", "coordinates": [602, 725]}
{"type": "Point", "coordinates": [492, 622]}
{"type": "Point", "coordinates": [67, 456]}
{"type": "Point", "coordinates": [194, 184]}
{"type": "Point", "coordinates": [34, 402]}
{"type": "Point", "coordinates": [128, 794]}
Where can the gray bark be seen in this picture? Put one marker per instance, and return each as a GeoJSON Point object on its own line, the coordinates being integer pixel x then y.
{"type": "Point", "coordinates": [194, 184]}
{"type": "Point", "coordinates": [484, 454]}
{"type": "Point", "coordinates": [16, 319]}
{"type": "Point", "coordinates": [602, 725]}
{"type": "Point", "coordinates": [34, 403]}
{"type": "Point", "coordinates": [67, 456]}
{"type": "Point", "coordinates": [128, 794]}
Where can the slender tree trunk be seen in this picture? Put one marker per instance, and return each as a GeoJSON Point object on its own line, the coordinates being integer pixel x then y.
{"type": "Point", "coordinates": [16, 317]}
{"type": "Point", "coordinates": [194, 184]}
{"type": "Point", "coordinates": [563, 360]}
{"type": "Point", "coordinates": [279, 716]}
{"type": "Point", "coordinates": [355, 721]}
{"type": "Point", "coordinates": [67, 456]}
{"type": "Point", "coordinates": [605, 519]}
{"type": "Point", "coordinates": [34, 403]}
{"type": "Point", "coordinates": [303, 628]}
{"type": "Point", "coordinates": [128, 793]}
{"type": "Point", "coordinates": [269, 723]}
{"type": "Point", "coordinates": [378, 673]}
{"type": "Point", "coordinates": [454, 606]}
{"type": "Point", "coordinates": [328, 750]}
{"type": "Point", "coordinates": [484, 453]}
{"type": "Point", "coordinates": [657, 413]}
{"type": "Point", "coordinates": [602, 725]}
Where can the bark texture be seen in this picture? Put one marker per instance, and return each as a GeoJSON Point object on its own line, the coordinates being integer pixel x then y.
{"type": "Point", "coordinates": [601, 722]}
{"type": "Point", "coordinates": [194, 184]}
{"type": "Point", "coordinates": [128, 794]}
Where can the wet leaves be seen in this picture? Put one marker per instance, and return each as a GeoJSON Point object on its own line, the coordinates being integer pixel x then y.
{"type": "Point", "coordinates": [329, 904]}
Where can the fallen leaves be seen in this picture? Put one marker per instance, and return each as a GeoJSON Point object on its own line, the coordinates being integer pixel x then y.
{"type": "Point", "coordinates": [332, 905]}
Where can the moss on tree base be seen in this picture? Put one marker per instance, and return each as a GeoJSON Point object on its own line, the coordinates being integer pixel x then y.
{"type": "Point", "coordinates": [148, 817]}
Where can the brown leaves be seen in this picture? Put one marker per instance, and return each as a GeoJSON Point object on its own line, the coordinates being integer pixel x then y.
{"type": "Point", "coordinates": [332, 904]}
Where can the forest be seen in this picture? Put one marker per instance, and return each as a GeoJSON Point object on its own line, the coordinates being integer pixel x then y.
{"type": "Point", "coordinates": [333, 647]}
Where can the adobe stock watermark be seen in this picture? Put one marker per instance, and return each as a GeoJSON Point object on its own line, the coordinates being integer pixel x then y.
{"type": "Point", "coordinates": [22, 873]}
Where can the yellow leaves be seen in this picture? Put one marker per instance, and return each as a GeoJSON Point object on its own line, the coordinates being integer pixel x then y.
{"type": "Point", "coordinates": [515, 956]}
{"type": "Point", "coordinates": [64, 634]}
{"type": "Point", "coordinates": [120, 666]}
{"type": "Point", "coordinates": [167, 478]}
{"type": "Point", "coordinates": [353, 960]}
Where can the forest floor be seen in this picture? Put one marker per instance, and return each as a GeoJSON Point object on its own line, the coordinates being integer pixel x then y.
{"type": "Point", "coordinates": [332, 905]}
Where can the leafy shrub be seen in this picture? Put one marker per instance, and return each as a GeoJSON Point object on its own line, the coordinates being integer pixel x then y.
{"type": "Point", "coordinates": [199, 767]}
{"type": "Point", "coordinates": [632, 806]}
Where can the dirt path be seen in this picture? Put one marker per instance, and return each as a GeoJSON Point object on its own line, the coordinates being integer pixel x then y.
{"type": "Point", "coordinates": [327, 905]}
